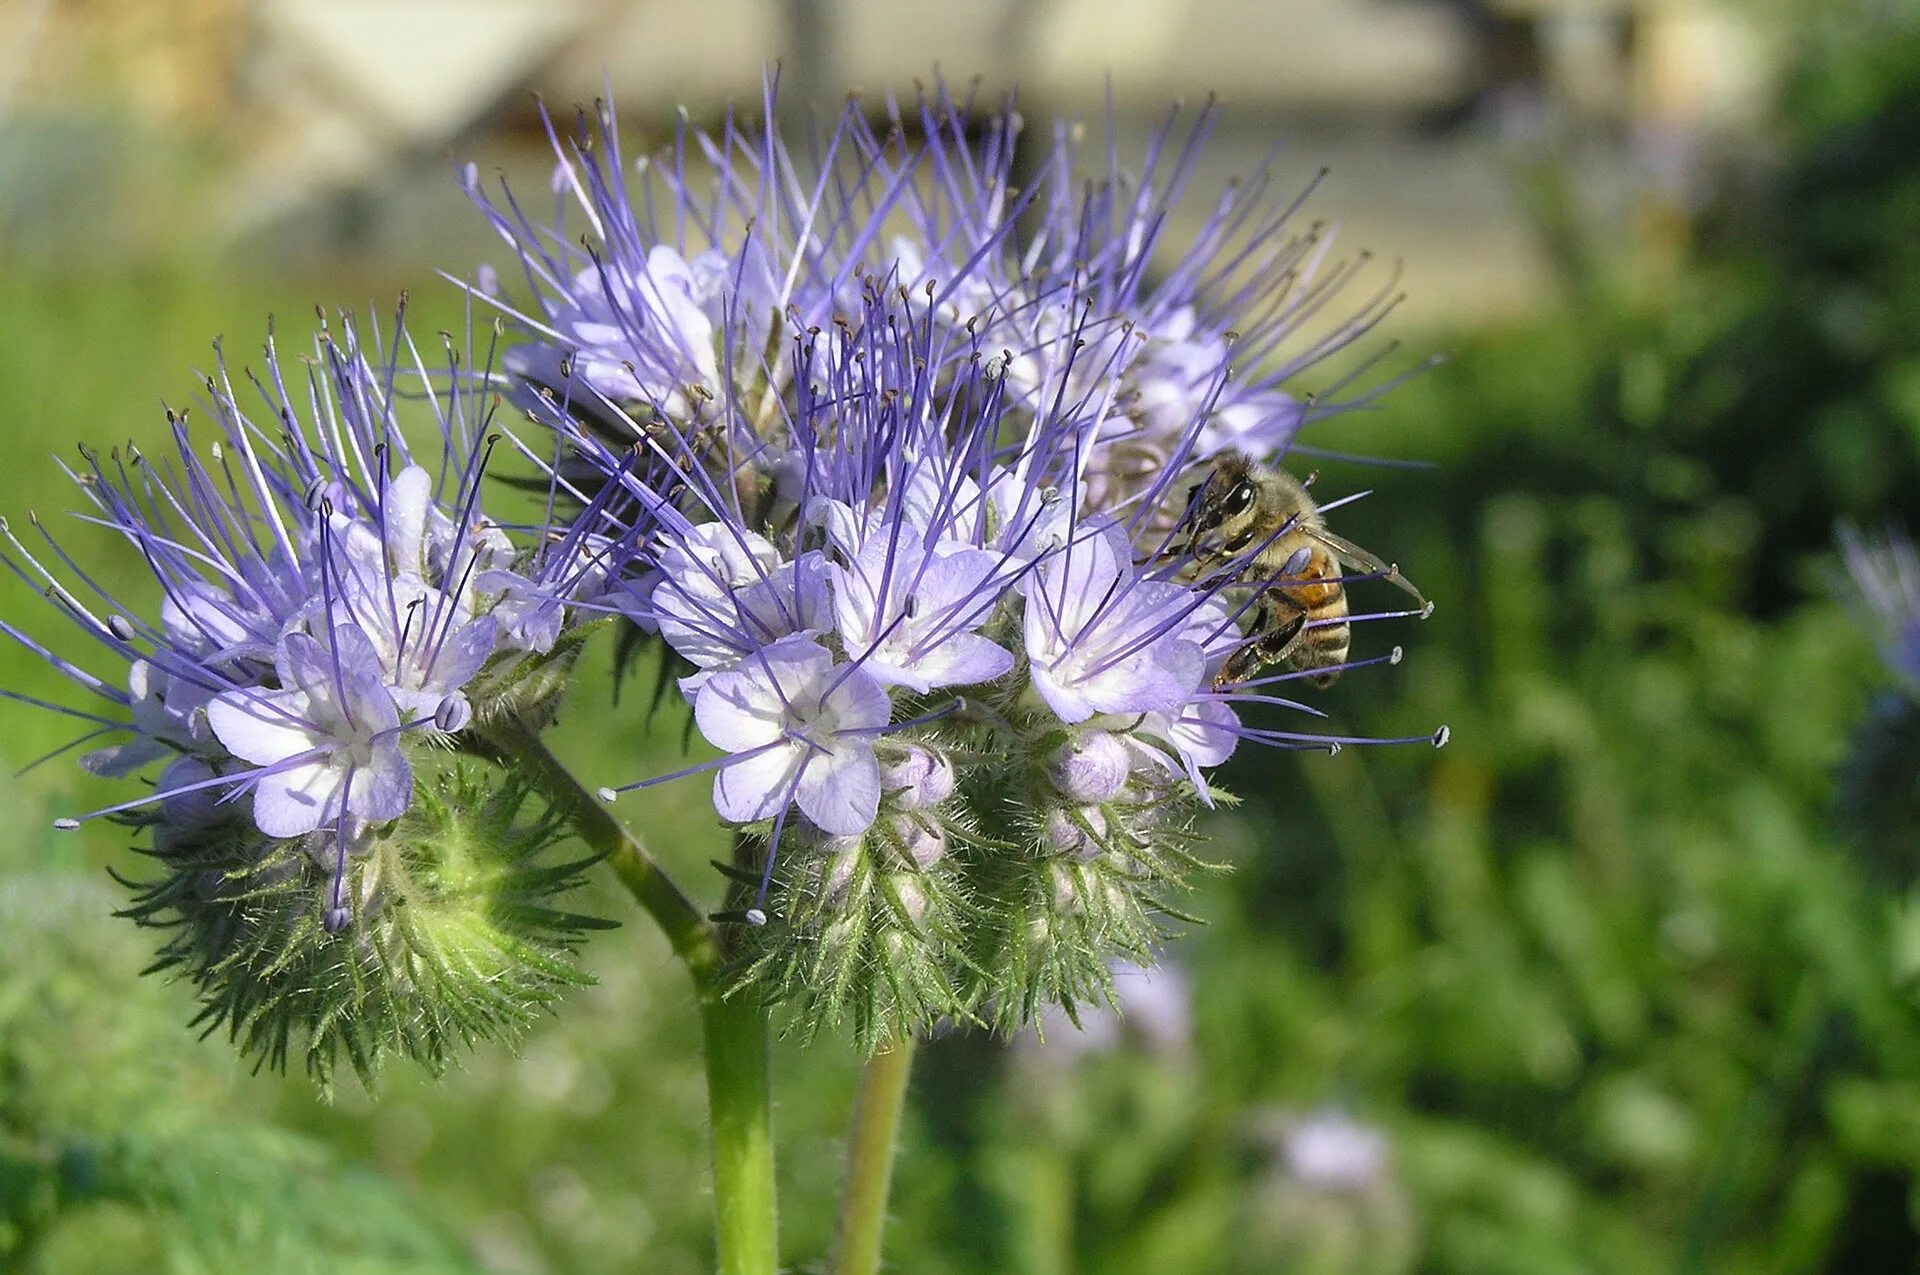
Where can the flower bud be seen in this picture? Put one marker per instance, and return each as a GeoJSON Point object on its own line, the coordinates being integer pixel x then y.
{"type": "Point", "coordinates": [1092, 767]}
{"type": "Point", "coordinates": [911, 897]}
{"type": "Point", "coordinates": [1069, 890]}
{"type": "Point", "coordinates": [1076, 832]}
{"type": "Point", "coordinates": [921, 840]}
{"type": "Point", "coordinates": [843, 861]}
{"type": "Point", "coordinates": [919, 779]}
{"type": "Point", "coordinates": [186, 812]}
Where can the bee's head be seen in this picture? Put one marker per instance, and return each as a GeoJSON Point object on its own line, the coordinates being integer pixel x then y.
{"type": "Point", "coordinates": [1226, 502]}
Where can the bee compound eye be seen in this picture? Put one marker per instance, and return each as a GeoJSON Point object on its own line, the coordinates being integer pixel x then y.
{"type": "Point", "coordinates": [1240, 499]}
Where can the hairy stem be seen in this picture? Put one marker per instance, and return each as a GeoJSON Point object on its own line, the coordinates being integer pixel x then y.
{"type": "Point", "coordinates": [692, 937]}
{"type": "Point", "coordinates": [739, 1081]}
{"type": "Point", "coordinates": [876, 1127]}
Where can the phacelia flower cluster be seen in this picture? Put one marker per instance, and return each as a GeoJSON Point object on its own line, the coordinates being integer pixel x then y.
{"type": "Point", "coordinates": [954, 505]}
{"type": "Point", "coordinates": [329, 620]}
{"type": "Point", "coordinates": [895, 458]}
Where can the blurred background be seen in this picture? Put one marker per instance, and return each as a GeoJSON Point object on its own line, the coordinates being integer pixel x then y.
{"type": "Point", "coordinates": [1626, 979]}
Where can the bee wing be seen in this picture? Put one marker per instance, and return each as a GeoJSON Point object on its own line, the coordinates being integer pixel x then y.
{"type": "Point", "coordinates": [1354, 556]}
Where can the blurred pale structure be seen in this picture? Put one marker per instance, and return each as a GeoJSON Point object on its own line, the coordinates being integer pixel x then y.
{"type": "Point", "coordinates": [308, 103]}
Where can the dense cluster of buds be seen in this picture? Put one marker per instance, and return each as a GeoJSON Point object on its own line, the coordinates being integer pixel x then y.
{"type": "Point", "coordinates": [898, 462]}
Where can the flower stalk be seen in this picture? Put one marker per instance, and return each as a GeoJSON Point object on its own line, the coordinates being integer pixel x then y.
{"type": "Point", "coordinates": [740, 1113]}
{"type": "Point", "coordinates": [734, 1029]}
{"type": "Point", "coordinates": [692, 937]}
{"type": "Point", "coordinates": [877, 1106]}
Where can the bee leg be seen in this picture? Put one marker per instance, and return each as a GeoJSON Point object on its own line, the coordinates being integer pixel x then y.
{"type": "Point", "coordinates": [1272, 638]}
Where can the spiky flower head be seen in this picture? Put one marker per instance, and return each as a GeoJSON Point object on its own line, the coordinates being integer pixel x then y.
{"type": "Point", "coordinates": [333, 619]}
{"type": "Point", "coordinates": [900, 482]}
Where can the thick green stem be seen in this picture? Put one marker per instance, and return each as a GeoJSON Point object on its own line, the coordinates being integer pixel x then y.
{"type": "Point", "coordinates": [740, 1099]}
{"type": "Point", "coordinates": [876, 1127]}
{"type": "Point", "coordinates": [739, 1081]}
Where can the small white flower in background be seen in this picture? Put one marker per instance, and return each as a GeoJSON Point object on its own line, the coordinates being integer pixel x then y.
{"type": "Point", "coordinates": [1333, 1151]}
{"type": "Point", "coordinates": [1152, 1005]}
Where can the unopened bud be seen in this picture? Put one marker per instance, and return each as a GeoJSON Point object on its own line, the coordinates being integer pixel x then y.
{"type": "Point", "coordinates": [197, 809]}
{"type": "Point", "coordinates": [922, 841]}
{"type": "Point", "coordinates": [919, 779]}
{"type": "Point", "coordinates": [1090, 768]}
{"type": "Point", "coordinates": [1076, 832]}
{"type": "Point", "coordinates": [437, 915]}
{"type": "Point", "coordinates": [843, 860]}
{"type": "Point", "coordinates": [911, 896]}
{"type": "Point", "coordinates": [1067, 894]}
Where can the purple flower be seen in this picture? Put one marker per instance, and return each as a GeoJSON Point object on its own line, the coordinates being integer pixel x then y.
{"type": "Point", "coordinates": [799, 728]}
{"type": "Point", "coordinates": [896, 467]}
{"type": "Point", "coordinates": [326, 744]}
{"type": "Point", "coordinates": [909, 608]}
{"type": "Point", "coordinates": [1332, 1151]}
{"type": "Point", "coordinates": [638, 329]}
{"type": "Point", "coordinates": [666, 294]}
{"type": "Point", "coordinates": [724, 593]}
{"type": "Point", "coordinates": [168, 717]}
{"type": "Point", "coordinates": [1103, 640]}
{"type": "Point", "coordinates": [1886, 577]}
{"type": "Point", "coordinates": [324, 599]}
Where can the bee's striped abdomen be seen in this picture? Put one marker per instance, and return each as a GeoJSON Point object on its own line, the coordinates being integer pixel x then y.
{"type": "Point", "coordinates": [1327, 637]}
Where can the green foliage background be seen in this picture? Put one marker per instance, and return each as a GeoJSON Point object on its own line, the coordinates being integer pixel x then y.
{"type": "Point", "coordinates": [1609, 971]}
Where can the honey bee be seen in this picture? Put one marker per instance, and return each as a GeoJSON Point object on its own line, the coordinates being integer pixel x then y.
{"type": "Point", "coordinates": [1301, 616]}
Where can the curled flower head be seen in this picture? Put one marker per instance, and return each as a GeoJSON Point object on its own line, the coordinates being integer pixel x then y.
{"type": "Point", "coordinates": [676, 297]}
{"type": "Point", "coordinates": [910, 519]}
{"type": "Point", "coordinates": [332, 614]}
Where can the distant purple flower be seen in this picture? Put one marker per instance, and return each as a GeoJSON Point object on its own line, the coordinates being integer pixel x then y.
{"type": "Point", "coordinates": [1334, 1152]}
{"type": "Point", "coordinates": [799, 729]}
{"type": "Point", "coordinates": [1151, 1004]}
{"type": "Point", "coordinates": [1886, 575]}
